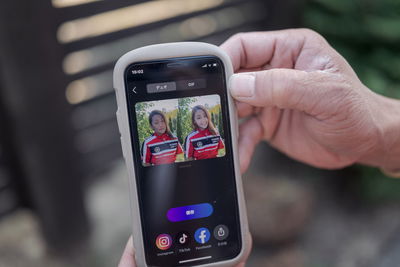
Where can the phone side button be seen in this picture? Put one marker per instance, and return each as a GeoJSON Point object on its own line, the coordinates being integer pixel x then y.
{"type": "Point", "coordinates": [118, 115]}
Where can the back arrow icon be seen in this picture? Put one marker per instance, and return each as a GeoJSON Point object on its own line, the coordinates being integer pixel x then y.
{"type": "Point", "coordinates": [134, 90]}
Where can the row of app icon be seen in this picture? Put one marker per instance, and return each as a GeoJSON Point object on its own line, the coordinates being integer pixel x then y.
{"type": "Point", "coordinates": [201, 235]}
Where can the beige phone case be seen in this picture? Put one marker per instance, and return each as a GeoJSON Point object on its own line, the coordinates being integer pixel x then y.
{"type": "Point", "coordinates": [165, 51]}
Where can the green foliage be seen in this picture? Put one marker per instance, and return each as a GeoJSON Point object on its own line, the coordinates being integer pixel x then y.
{"type": "Point", "coordinates": [173, 124]}
{"type": "Point", "coordinates": [376, 187]}
{"type": "Point", "coordinates": [171, 127]}
{"type": "Point", "coordinates": [143, 126]}
{"type": "Point", "coordinates": [184, 120]}
{"type": "Point", "coordinates": [213, 118]}
{"type": "Point", "coordinates": [180, 157]}
{"type": "Point", "coordinates": [221, 152]}
{"type": "Point", "coordinates": [367, 34]}
{"type": "Point", "coordinates": [216, 117]}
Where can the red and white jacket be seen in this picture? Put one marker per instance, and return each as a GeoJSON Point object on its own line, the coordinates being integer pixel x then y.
{"type": "Point", "coordinates": [160, 149]}
{"type": "Point", "coordinates": [202, 144]}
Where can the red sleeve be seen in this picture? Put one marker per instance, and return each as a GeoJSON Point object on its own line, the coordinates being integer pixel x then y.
{"type": "Point", "coordinates": [189, 148]}
{"type": "Point", "coordinates": [146, 156]}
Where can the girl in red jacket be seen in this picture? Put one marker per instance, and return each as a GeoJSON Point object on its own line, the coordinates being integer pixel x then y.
{"type": "Point", "coordinates": [204, 141]}
{"type": "Point", "coordinates": [162, 146]}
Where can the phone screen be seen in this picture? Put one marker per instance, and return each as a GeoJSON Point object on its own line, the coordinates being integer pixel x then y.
{"type": "Point", "coordinates": [182, 148]}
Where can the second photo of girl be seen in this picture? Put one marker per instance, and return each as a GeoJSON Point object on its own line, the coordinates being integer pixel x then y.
{"type": "Point", "coordinates": [204, 141]}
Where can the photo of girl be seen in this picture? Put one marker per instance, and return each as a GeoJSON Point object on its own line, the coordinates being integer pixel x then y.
{"type": "Point", "coordinates": [162, 146]}
{"type": "Point", "coordinates": [204, 141]}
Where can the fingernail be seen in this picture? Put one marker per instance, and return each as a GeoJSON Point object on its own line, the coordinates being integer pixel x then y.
{"type": "Point", "coordinates": [242, 85]}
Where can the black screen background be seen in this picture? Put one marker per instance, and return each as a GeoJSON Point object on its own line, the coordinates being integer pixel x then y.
{"type": "Point", "coordinates": [162, 187]}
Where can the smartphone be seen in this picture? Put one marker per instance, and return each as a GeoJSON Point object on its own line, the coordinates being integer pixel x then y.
{"type": "Point", "coordinates": [179, 132]}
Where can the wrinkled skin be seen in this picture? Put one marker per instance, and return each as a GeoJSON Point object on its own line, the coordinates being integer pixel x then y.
{"type": "Point", "coordinates": [303, 97]}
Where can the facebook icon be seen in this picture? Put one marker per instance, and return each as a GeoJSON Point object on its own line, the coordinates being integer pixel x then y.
{"type": "Point", "coordinates": [202, 235]}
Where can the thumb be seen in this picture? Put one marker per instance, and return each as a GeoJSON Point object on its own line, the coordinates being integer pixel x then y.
{"type": "Point", "coordinates": [282, 88]}
{"type": "Point", "coordinates": [128, 256]}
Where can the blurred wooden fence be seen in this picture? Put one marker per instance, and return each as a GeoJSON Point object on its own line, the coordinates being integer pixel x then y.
{"type": "Point", "coordinates": [57, 107]}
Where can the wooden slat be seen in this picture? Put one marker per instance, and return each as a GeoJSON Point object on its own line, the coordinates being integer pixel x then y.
{"type": "Point", "coordinates": [94, 8]}
{"type": "Point", "coordinates": [93, 41]}
{"type": "Point", "coordinates": [92, 71]}
{"type": "Point", "coordinates": [101, 68]}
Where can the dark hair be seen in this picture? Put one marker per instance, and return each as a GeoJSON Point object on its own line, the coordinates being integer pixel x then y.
{"type": "Point", "coordinates": [158, 112]}
{"type": "Point", "coordinates": [210, 127]}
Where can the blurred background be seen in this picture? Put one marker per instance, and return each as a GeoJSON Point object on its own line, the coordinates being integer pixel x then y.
{"type": "Point", "coordinates": [63, 184]}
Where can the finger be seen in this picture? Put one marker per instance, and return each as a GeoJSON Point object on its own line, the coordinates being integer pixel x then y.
{"type": "Point", "coordinates": [128, 257]}
{"type": "Point", "coordinates": [250, 134]}
{"type": "Point", "coordinates": [282, 88]}
{"type": "Point", "coordinates": [244, 109]}
{"type": "Point", "coordinates": [277, 49]}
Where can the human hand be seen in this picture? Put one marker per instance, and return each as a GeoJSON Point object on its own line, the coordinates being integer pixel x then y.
{"type": "Point", "coordinates": [305, 99]}
{"type": "Point", "coordinates": [128, 256]}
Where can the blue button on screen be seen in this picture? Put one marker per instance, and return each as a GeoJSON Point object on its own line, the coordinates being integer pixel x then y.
{"type": "Point", "coordinates": [202, 235]}
{"type": "Point", "coordinates": [189, 212]}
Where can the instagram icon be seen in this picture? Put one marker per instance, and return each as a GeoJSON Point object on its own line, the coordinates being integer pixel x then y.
{"type": "Point", "coordinates": [164, 241]}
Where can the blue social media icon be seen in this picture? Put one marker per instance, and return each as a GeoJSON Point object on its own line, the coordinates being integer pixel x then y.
{"type": "Point", "coordinates": [202, 235]}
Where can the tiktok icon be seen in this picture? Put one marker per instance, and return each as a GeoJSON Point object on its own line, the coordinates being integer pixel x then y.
{"type": "Point", "coordinates": [183, 238]}
{"type": "Point", "coordinates": [202, 235]}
